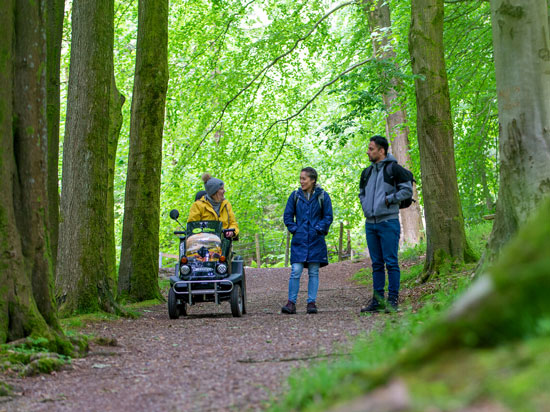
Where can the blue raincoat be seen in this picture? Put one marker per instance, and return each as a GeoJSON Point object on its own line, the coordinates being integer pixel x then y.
{"type": "Point", "coordinates": [309, 226]}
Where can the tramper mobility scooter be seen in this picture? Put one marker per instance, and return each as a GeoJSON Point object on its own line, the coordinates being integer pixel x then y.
{"type": "Point", "coordinates": [206, 270]}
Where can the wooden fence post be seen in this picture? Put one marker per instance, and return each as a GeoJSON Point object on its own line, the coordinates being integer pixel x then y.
{"type": "Point", "coordinates": [258, 259]}
{"type": "Point", "coordinates": [287, 248]}
{"type": "Point", "coordinates": [348, 247]}
{"type": "Point", "coordinates": [340, 241]}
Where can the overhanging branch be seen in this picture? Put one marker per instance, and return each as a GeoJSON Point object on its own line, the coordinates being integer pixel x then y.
{"type": "Point", "coordinates": [311, 100]}
{"type": "Point", "coordinates": [267, 67]}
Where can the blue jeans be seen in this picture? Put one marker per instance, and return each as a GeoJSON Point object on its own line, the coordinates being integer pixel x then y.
{"type": "Point", "coordinates": [312, 285]}
{"type": "Point", "coordinates": [383, 243]}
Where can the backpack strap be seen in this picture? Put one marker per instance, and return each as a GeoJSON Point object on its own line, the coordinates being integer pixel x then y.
{"type": "Point", "coordinates": [365, 176]}
{"type": "Point", "coordinates": [320, 198]}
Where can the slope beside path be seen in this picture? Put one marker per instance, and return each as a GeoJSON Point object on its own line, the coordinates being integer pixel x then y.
{"type": "Point", "coordinates": [207, 361]}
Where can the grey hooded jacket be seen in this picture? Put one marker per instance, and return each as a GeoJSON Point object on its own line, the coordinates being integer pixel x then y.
{"type": "Point", "coordinates": [373, 196]}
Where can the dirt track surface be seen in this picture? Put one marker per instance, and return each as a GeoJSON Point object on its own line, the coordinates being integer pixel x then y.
{"type": "Point", "coordinates": [207, 361]}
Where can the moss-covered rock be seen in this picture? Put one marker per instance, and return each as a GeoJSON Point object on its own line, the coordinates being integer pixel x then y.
{"type": "Point", "coordinates": [45, 363]}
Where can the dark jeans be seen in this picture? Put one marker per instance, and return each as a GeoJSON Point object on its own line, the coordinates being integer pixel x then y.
{"type": "Point", "coordinates": [383, 243]}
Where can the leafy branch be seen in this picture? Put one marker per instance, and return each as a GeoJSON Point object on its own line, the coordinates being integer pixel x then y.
{"type": "Point", "coordinates": [306, 104]}
{"type": "Point", "coordinates": [267, 67]}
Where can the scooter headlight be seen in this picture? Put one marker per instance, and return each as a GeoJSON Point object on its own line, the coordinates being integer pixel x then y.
{"type": "Point", "coordinates": [221, 268]}
{"type": "Point", "coordinates": [185, 269]}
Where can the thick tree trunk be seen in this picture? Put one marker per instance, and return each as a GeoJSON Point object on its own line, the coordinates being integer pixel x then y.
{"type": "Point", "coordinates": [27, 306]}
{"type": "Point", "coordinates": [54, 34]}
{"type": "Point", "coordinates": [138, 273]}
{"type": "Point", "coordinates": [397, 132]}
{"type": "Point", "coordinates": [522, 65]}
{"type": "Point", "coordinates": [446, 239]}
{"type": "Point", "coordinates": [83, 256]}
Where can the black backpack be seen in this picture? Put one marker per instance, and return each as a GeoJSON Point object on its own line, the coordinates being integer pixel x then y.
{"type": "Point", "coordinates": [393, 174]}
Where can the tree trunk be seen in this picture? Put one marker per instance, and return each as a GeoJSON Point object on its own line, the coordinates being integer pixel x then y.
{"type": "Point", "coordinates": [397, 132]}
{"type": "Point", "coordinates": [446, 239]}
{"type": "Point", "coordinates": [54, 34]}
{"type": "Point", "coordinates": [27, 306]}
{"type": "Point", "coordinates": [138, 273]}
{"type": "Point", "coordinates": [83, 255]}
{"type": "Point", "coordinates": [115, 124]}
{"type": "Point", "coordinates": [522, 63]}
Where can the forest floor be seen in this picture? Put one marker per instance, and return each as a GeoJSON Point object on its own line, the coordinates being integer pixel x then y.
{"type": "Point", "coordinates": [207, 361]}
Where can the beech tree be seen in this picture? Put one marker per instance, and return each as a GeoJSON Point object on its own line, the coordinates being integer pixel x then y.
{"type": "Point", "coordinates": [396, 121]}
{"type": "Point", "coordinates": [84, 281]}
{"type": "Point", "coordinates": [138, 272]}
{"type": "Point", "coordinates": [446, 239]}
{"type": "Point", "coordinates": [522, 66]}
{"type": "Point", "coordinates": [54, 34]}
{"type": "Point", "coordinates": [27, 306]}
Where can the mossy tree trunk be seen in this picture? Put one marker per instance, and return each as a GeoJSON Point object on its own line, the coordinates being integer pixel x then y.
{"type": "Point", "coordinates": [27, 306]}
{"type": "Point", "coordinates": [378, 13]}
{"type": "Point", "coordinates": [115, 124]}
{"type": "Point", "coordinates": [54, 34]}
{"type": "Point", "coordinates": [138, 272]}
{"type": "Point", "coordinates": [522, 66]}
{"type": "Point", "coordinates": [83, 269]}
{"type": "Point", "coordinates": [446, 239]}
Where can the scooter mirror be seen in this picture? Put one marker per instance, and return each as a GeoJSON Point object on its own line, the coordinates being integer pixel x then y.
{"type": "Point", "coordinates": [174, 214]}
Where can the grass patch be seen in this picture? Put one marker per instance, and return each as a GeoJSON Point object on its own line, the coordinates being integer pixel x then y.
{"type": "Point", "coordinates": [478, 235]}
{"type": "Point", "coordinates": [76, 322]}
{"type": "Point", "coordinates": [412, 253]}
{"type": "Point", "coordinates": [327, 383]}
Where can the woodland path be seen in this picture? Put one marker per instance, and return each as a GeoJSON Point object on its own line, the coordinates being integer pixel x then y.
{"type": "Point", "coordinates": [207, 361]}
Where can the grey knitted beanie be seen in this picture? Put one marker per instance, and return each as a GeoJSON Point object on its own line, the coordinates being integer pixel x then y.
{"type": "Point", "coordinates": [211, 184]}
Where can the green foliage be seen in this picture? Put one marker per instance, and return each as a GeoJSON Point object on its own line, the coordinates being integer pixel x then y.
{"type": "Point", "coordinates": [239, 72]}
{"type": "Point", "coordinates": [413, 252]}
{"type": "Point", "coordinates": [478, 235]}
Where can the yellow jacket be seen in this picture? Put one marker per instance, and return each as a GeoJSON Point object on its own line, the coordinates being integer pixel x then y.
{"type": "Point", "coordinates": [203, 210]}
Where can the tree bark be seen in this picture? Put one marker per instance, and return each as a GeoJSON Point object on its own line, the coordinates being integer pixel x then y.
{"type": "Point", "coordinates": [446, 239]}
{"type": "Point", "coordinates": [54, 34]}
{"type": "Point", "coordinates": [522, 66]}
{"type": "Point", "coordinates": [398, 133]}
{"type": "Point", "coordinates": [83, 276]}
{"type": "Point", "coordinates": [27, 306]}
{"type": "Point", "coordinates": [138, 272]}
{"type": "Point", "coordinates": [115, 124]}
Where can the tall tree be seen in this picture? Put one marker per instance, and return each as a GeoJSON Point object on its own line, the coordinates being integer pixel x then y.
{"type": "Point", "coordinates": [54, 34]}
{"type": "Point", "coordinates": [115, 124]}
{"type": "Point", "coordinates": [83, 279]}
{"type": "Point", "coordinates": [378, 13]}
{"type": "Point", "coordinates": [138, 272]}
{"type": "Point", "coordinates": [446, 239]}
{"type": "Point", "coordinates": [522, 66]}
{"type": "Point", "coordinates": [27, 306]}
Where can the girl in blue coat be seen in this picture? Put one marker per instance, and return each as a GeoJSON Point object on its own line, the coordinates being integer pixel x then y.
{"type": "Point", "coordinates": [308, 216]}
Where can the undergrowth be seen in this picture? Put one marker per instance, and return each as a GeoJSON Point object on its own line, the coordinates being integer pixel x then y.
{"type": "Point", "coordinates": [327, 383]}
{"type": "Point", "coordinates": [322, 385]}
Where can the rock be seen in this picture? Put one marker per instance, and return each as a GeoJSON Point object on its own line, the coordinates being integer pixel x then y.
{"type": "Point", "coordinates": [393, 397]}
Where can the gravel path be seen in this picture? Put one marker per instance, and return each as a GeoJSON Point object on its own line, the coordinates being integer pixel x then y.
{"type": "Point", "coordinates": [207, 361]}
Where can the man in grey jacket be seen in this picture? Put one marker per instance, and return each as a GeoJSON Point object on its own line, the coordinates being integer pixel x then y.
{"type": "Point", "coordinates": [383, 185]}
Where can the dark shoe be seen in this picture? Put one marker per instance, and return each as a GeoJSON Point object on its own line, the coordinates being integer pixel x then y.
{"type": "Point", "coordinates": [373, 306]}
{"type": "Point", "coordinates": [311, 308]}
{"type": "Point", "coordinates": [393, 304]}
{"type": "Point", "coordinates": [289, 308]}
